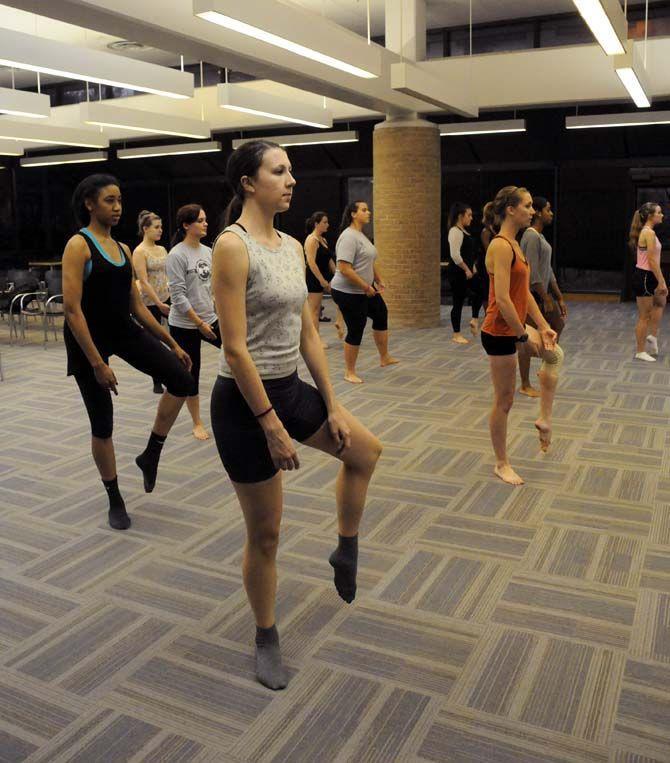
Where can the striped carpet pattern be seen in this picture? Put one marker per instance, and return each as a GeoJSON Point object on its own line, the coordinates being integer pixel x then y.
{"type": "Point", "coordinates": [493, 624]}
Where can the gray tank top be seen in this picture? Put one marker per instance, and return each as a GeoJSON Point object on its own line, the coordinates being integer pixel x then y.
{"type": "Point", "coordinates": [276, 293]}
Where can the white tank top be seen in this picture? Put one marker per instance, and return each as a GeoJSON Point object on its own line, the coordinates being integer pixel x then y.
{"type": "Point", "coordinates": [276, 293]}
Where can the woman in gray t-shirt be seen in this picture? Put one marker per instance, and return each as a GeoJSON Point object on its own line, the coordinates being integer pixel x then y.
{"type": "Point", "coordinates": [357, 289]}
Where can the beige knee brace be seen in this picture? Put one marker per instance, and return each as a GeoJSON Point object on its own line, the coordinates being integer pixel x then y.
{"type": "Point", "coordinates": [552, 360]}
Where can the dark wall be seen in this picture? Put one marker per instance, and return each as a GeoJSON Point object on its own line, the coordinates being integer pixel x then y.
{"type": "Point", "coordinates": [590, 176]}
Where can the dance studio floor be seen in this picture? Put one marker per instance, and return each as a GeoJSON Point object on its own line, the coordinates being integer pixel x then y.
{"type": "Point", "coordinates": [493, 624]}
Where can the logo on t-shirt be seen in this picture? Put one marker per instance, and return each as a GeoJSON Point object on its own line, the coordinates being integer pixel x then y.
{"type": "Point", "coordinates": [203, 269]}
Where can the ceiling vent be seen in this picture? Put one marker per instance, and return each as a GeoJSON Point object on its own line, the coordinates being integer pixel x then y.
{"type": "Point", "coordinates": [125, 45]}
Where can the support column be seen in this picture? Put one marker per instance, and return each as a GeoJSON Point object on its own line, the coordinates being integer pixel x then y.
{"type": "Point", "coordinates": [407, 211]}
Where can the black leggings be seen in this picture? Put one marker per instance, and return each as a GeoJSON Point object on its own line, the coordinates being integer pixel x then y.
{"type": "Point", "coordinates": [144, 352]}
{"type": "Point", "coordinates": [460, 287]}
{"type": "Point", "coordinates": [356, 309]}
{"type": "Point", "coordinates": [156, 312]}
{"type": "Point", "coordinates": [190, 340]}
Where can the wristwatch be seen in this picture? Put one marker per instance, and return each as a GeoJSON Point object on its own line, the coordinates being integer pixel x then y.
{"type": "Point", "coordinates": [521, 339]}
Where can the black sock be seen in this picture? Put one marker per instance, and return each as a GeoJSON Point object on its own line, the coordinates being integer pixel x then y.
{"type": "Point", "coordinates": [344, 560]}
{"type": "Point", "coordinates": [269, 668]}
{"type": "Point", "coordinates": [118, 519]}
{"type": "Point", "coordinates": [148, 460]}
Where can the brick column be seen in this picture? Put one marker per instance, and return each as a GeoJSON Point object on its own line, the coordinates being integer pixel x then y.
{"type": "Point", "coordinates": [407, 219]}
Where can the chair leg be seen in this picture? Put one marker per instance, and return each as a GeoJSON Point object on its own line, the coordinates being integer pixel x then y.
{"type": "Point", "coordinates": [2, 378]}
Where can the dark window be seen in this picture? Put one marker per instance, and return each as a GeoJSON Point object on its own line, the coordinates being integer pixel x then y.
{"type": "Point", "coordinates": [435, 44]}
{"type": "Point", "coordinates": [493, 39]}
{"type": "Point", "coordinates": [564, 31]}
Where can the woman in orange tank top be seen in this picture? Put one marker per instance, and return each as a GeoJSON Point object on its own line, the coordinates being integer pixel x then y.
{"type": "Point", "coordinates": [505, 330]}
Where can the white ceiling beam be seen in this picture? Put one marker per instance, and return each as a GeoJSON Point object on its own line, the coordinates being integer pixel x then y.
{"type": "Point", "coordinates": [155, 123]}
{"type": "Point", "coordinates": [405, 28]}
{"type": "Point", "coordinates": [21, 103]}
{"type": "Point", "coordinates": [38, 132]}
{"type": "Point", "coordinates": [414, 80]}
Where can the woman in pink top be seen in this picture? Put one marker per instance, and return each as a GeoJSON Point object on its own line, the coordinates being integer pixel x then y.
{"type": "Point", "coordinates": [649, 285]}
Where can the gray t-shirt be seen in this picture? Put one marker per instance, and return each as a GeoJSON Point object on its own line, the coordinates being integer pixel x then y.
{"type": "Point", "coordinates": [189, 273]}
{"type": "Point", "coordinates": [538, 253]}
{"type": "Point", "coordinates": [355, 247]}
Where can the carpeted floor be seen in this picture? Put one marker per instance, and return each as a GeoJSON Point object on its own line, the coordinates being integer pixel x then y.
{"type": "Point", "coordinates": [493, 624]}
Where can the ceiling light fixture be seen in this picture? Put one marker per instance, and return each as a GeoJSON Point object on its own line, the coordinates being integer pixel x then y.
{"type": "Point", "coordinates": [34, 132]}
{"type": "Point", "coordinates": [637, 119]}
{"type": "Point", "coordinates": [50, 159]}
{"type": "Point", "coordinates": [483, 128]}
{"type": "Point", "coordinates": [175, 149]}
{"type": "Point", "coordinates": [97, 113]}
{"type": "Point", "coordinates": [20, 103]}
{"type": "Point", "coordinates": [633, 75]}
{"type": "Point", "coordinates": [606, 19]}
{"type": "Point", "coordinates": [248, 101]}
{"type": "Point", "coordinates": [305, 139]}
{"type": "Point", "coordinates": [294, 30]}
{"type": "Point", "coordinates": [37, 54]}
{"type": "Point", "coordinates": [10, 148]}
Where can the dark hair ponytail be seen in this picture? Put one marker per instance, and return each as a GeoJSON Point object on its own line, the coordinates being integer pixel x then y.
{"type": "Point", "coordinates": [457, 209]}
{"type": "Point", "coordinates": [639, 219]}
{"type": "Point", "coordinates": [186, 215]}
{"type": "Point", "coordinates": [314, 219]}
{"type": "Point", "coordinates": [88, 190]}
{"type": "Point", "coordinates": [245, 161]}
{"type": "Point", "coordinates": [539, 203]}
{"type": "Point", "coordinates": [349, 210]}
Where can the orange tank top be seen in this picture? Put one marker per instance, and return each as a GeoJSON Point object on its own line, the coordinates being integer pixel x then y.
{"type": "Point", "coordinates": [519, 285]}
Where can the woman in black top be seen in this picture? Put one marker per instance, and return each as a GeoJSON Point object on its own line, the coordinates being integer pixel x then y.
{"type": "Point", "coordinates": [461, 269]}
{"type": "Point", "coordinates": [320, 264]}
{"type": "Point", "coordinates": [103, 312]}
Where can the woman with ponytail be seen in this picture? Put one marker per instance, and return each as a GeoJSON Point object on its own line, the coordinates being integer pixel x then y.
{"type": "Point", "coordinates": [192, 318]}
{"type": "Point", "coordinates": [320, 265]}
{"type": "Point", "coordinates": [260, 405]}
{"type": "Point", "coordinates": [149, 266]}
{"type": "Point", "coordinates": [649, 285]}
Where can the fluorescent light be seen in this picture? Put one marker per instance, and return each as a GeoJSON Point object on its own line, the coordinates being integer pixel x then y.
{"type": "Point", "coordinates": [19, 103]}
{"type": "Point", "coordinates": [306, 139]}
{"type": "Point", "coordinates": [483, 128]}
{"type": "Point", "coordinates": [49, 159]}
{"type": "Point", "coordinates": [248, 101]}
{"type": "Point", "coordinates": [34, 132]}
{"type": "Point", "coordinates": [207, 147]}
{"type": "Point", "coordinates": [412, 80]}
{"type": "Point", "coordinates": [294, 30]}
{"type": "Point", "coordinates": [96, 113]}
{"type": "Point", "coordinates": [605, 18]}
{"type": "Point", "coordinates": [638, 119]}
{"type": "Point", "coordinates": [37, 54]}
{"type": "Point", "coordinates": [630, 70]}
{"type": "Point", "coordinates": [10, 148]}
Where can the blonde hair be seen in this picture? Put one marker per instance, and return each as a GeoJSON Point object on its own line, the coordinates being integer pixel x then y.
{"type": "Point", "coordinates": [639, 219]}
{"type": "Point", "coordinates": [509, 196]}
{"type": "Point", "coordinates": [144, 220]}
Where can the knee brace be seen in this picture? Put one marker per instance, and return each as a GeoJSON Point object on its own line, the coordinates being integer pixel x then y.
{"type": "Point", "coordinates": [552, 360]}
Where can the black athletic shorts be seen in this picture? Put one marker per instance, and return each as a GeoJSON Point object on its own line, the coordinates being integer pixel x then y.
{"type": "Point", "coordinates": [498, 345]}
{"type": "Point", "coordinates": [240, 438]}
{"type": "Point", "coordinates": [356, 309]}
{"type": "Point", "coordinates": [644, 283]}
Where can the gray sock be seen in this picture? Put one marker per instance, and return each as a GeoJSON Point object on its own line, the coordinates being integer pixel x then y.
{"type": "Point", "coordinates": [269, 668]}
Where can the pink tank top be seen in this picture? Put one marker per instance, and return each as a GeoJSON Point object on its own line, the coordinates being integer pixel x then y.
{"type": "Point", "coordinates": [643, 254]}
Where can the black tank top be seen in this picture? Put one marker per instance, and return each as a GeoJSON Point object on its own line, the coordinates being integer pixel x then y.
{"type": "Point", "coordinates": [468, 250]}
{"type": "Point", "coordinates": [105, 302]}
{"type": "Point", "coordinates": [323, 260]}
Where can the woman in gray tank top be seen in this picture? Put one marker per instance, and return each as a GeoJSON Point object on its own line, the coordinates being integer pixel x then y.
{"type": "Point", "coordinates": [259, 405]}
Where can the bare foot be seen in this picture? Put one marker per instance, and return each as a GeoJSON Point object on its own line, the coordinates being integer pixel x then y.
{"type": "Point", "coordinates": [529, 391]}
{"type": "Point", "coordinates": [200, 433]}
{"type": "Point", "coordinates": [474, 326]}
{"type": "Point", "coordinates": [353, 379]}
{"type": "Point", "coordinates": [340, 331]}
{"type": "Point", "coordinates": [507, 474]}
{"type": "Point", "coordinates": [544, 431]}
{"type": "Point", "coordinates": [389, 360]}
{"type": "Point", "coordinates": [459, 339]}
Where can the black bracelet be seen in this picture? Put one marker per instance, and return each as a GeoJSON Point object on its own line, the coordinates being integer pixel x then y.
{"type": "Point", "coordinates": [265, 413]}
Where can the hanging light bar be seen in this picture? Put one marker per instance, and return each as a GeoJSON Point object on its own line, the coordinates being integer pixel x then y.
{"type": "Point", "coordinates": [96, 113]}
{"type": "Point", "coordinates": [295, 30]}
{"type": "Point", "coordinates": [10, 148]}
{"type": "Point", "coordinates": [637, 119]}
{"type": "Point", "coordinates": [306, 139]}
{"type": "Point", "coordinates": [483, 128]}
{"type": "Point", "coordinates": [50, 159]}
{"type": "Point", "coordinates": [606, 19]}
{"type": "Point", "coordinates": [146, 152]}
{"type": "Point", "coordinates": [34, 132]}
{"type": "Point", "coordinates": [19, 103]}
{"type": "Point", "coordinates": [248, 101]}
{"type": "Point", "coordinates": [630, 70]}
{"type": "Point", "coordinates": [37, 54]}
